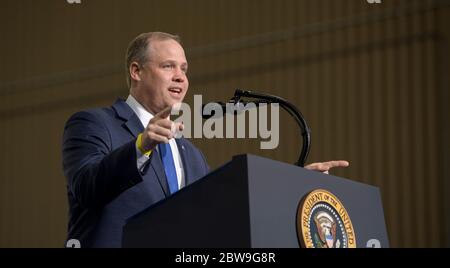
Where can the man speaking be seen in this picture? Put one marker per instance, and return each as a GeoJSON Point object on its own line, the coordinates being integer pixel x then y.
{"type": "Point", "coordinates": [121, 159]}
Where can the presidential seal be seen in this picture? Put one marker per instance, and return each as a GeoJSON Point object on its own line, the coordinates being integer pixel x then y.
{"type": "Point", "coordinates": [323, 222]}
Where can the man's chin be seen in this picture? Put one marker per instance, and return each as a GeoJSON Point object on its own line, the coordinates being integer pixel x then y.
{"type": "Point", "coordinates": [174, 100]}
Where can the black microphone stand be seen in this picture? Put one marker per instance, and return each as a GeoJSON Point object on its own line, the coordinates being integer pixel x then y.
{"type": "Point", "coordinates": [290, 108]}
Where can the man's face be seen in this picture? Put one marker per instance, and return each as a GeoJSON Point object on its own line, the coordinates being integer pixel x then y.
{"type": "Point", "coordinates": [163, 76]}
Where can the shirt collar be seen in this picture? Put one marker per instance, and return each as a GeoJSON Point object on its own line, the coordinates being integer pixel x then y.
{"type": "Point", "coordinates": [143, 115]}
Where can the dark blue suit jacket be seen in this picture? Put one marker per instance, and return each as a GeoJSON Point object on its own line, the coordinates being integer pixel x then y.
{"type": "Point", "coordinates": [104, 186]}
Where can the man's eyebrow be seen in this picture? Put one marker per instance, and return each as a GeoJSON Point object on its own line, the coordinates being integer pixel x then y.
{"type": "Point", "coordinates": [168, 61]}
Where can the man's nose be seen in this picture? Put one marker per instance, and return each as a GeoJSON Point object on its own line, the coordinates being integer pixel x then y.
{"type": "Point", "coordinates": [179, 76]}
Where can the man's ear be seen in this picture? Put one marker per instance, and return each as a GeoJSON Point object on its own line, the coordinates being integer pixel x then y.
{"type": "Point", "coordinates": [135, 71]}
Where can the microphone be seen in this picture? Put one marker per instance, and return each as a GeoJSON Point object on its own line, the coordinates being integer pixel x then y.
{"type": "Point", "coordinates": [260, 98]}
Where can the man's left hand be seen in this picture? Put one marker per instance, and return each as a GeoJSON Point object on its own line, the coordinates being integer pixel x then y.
{"type": "Point", "coordinates": [326, 166]}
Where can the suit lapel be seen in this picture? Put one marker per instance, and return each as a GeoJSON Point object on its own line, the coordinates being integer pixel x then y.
{"type": "Point", "coordinates": [131, 121]}
{"type": "Point", "coordinates": [133, 125]}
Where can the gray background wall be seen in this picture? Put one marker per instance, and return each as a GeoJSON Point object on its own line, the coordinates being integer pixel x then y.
{"type": "Point", "coordinates": [371, 79]}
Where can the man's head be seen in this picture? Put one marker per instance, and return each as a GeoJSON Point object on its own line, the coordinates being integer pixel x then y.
{"type": "Point", "coordinates": [156, 70]}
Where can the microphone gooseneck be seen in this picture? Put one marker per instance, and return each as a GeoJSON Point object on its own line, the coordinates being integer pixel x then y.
{"type": "Point", "coordinates": [267, 98]}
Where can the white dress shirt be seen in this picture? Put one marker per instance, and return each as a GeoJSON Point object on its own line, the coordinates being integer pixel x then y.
{"type": "Point", "coordinates": [145, 117]}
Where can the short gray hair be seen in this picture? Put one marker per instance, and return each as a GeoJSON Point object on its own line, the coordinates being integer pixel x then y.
{"type": "Point", "coordinates": [137, 49]}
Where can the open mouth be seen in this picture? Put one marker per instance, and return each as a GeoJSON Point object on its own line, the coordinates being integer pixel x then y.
{"type": "Point", "coordinates": [175, 91]}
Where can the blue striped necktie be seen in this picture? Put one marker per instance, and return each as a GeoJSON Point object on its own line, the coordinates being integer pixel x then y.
{"type": "Point", "coordinates": [169, 166]}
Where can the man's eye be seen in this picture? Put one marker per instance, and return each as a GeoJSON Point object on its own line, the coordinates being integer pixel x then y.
{"type": "Point", "coordinates": [168, 66]}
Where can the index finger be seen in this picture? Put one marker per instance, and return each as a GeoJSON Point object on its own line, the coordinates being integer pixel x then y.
{"type": "Point", "coordinates": [337, 163]}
